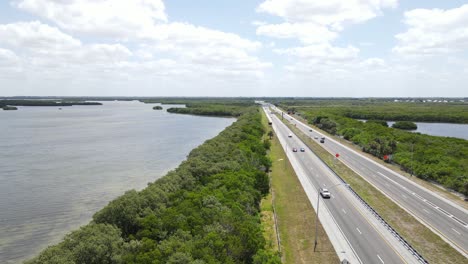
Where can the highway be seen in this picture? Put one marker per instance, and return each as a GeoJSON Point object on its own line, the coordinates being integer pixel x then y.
{"type": "Point", "coordinates": [445, 218]}
{"type": "Point", "coordinates": [368, 240]}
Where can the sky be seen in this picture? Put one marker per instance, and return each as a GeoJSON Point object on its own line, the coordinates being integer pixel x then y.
{"type": "Point", "coordinates": [303, 48]}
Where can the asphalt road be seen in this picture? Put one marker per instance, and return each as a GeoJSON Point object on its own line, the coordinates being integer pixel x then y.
{"type": "Point", "coordinates": [444, 217]}
{"type": "Point", "coordinates": [366, 239]}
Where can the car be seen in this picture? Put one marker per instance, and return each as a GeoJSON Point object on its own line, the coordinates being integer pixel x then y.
{"type": "Point", "coordinates": [322, 140]}
{"type": "Point", "coordinates": [294, 149]}
{"type": "Point", "coordinates": [316, 137]}
{"type": "Point", "coordinates": [325, 193]}
{"type": "Point", "coordinates": [310, 130]}
{"type": "Point", "coordinates": [290, 135]}
{"type": "Point", "coordinates": [302, 149]}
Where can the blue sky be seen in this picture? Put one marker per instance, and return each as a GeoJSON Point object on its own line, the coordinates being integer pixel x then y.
{"type": "Point", "coordinates": [353, 48]}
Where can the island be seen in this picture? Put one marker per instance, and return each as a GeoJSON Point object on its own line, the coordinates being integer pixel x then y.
{"type": "Point", "coordinates": [158, 107]}
{"type": "Point", "coordinates": [9, 108]}
{"type": "Point", "coordinates": [406, 125]}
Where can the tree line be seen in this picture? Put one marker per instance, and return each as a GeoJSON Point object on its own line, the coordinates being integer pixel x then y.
{"type": "Point", "coordinates": [205, 211]}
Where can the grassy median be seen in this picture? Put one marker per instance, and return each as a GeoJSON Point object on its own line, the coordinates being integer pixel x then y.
{"type": "Point", "coordinates": [296, 216]}
{"type": "Point", "coordinates": [426, 242]}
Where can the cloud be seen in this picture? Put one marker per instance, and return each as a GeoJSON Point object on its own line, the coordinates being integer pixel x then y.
{"type": "Point", "coordinates": [46, 46]}
{"type": "Point", "coordinates": [322, 52]}
{"type": "Point", "coordinates": [35, 36]}
{"type": "Point", "coordinates": [333, 13]}
{"type": "Point", "coordinates": [7, 58]}
{"type": "Point", "coordinates": [108, 18]}
{"type": "Point", "coordinates": [306, 32]}
{"type": "Point", "coordinates": [434, 31]}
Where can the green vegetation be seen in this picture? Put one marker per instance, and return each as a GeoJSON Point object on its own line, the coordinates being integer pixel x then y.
{"type": "Point", "coordinates": [426, 242]}
{"type": "Point", "coordinates": [406, 125]}
{"type": "Point", "coordinates": [211, 110]}
{"type": "Point", "coordinates": [44, 103]}
{"type": "Point", "coordinates": [205, 211]}
{"type": "Point", "coordinates": [380, 122]}
{"type": "Point", "coordinates": [9, 108]}
{"type": "Point", "coordinates": [158, 107]}
{"type": "Point", "coordinates": [439, 159]}
{"type": "Point", "coordinates": [383, 109]}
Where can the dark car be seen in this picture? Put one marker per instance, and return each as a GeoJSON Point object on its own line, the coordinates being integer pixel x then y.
{"type": "Point", "coordinates": [302, 149]}
{"type": "Point", "coordinates": [310, 130]}
{"type": "Point", "coordinates": [322, 140]}
{"type": "Point", "coordinates": [294, 149]}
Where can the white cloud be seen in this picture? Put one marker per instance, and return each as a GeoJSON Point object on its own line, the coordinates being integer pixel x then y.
{"type": "Point", "coordinates": [333, 13]}
{"type": "Point", "coordinates": [46, 46]}
{"type": "Point", "coordinates": [110, 18]}
{"type": "Point", "coordinates": [188, 35]}
{"type": "Point", "coordinates": [322, 52]}
{"type": "Point", "coordinates": [434, 31]}
{"type": "Point", "coordinates": [7, 58]}
{"type": "Point", "coordinates": [35, 36]}
{"type": "Point", "coordinates": [306, 32]}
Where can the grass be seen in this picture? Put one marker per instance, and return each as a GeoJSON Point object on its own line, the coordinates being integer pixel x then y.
{"type": "Point", "coordinates": [296, 216]}
{"type": "Point", "coordinates": [426, 242]}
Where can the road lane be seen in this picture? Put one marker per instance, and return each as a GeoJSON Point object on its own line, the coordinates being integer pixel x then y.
{"type": "Point", "coordinates": [368, 243]}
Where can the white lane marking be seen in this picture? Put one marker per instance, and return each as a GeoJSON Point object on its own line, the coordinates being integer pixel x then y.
{"type": "Point", "coordinates": [343, 211]}
{"type": "Point", "coordinates": [324, 185]}
{"type": "Point", "coordinates": [456, 231]}
{"type": "Point", "coordinates": [404, 196]}
{"type": "Point", "coordinates": [359, 231]}
{"type": "Point", "coordinates": [426, 211]}
{"type": "Point", "coordinates": [380, 259]}
{"type": "Point", "coordinates": [425, 200]}
{"type": "Point", "coordinates": [387, 184]}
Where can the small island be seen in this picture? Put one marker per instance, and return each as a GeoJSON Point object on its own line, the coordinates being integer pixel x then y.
{"type": "Point", "coordinates": [9, 108]}
{"type": "Point", "coordinates": [158, 107]}
{"type": "Point", "coordinates": [406, 125]}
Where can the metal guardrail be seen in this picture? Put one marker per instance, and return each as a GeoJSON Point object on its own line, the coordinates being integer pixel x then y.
{"type": "Point", "coordinates": [413, 251]}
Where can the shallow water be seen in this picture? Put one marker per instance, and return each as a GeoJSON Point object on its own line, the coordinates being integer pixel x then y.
{"type": "Point", "coordinates": [58, 167]}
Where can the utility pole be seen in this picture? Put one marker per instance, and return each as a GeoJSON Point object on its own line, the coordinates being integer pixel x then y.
{"type": "Point", "coordinates": [316, 217]}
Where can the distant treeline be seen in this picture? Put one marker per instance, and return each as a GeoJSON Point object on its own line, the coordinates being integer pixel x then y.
{"type": "Point", "coordinates": [205, 211]}
{"type": "Point", "coordinates": [44, 103]}
{"type": "Point", "coordinates": [210, 110]}
{"type": "Point", "coordinates": [440, 159]}
{"type": "Point", "coordinates": [382, 109]}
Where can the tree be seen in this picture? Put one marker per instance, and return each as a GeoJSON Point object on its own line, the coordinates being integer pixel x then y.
{"type": "Point", "coordinates": [270, 134]}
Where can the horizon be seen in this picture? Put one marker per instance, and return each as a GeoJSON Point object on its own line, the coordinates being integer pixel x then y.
{"type": "Point", "coordinates": [274, 48]}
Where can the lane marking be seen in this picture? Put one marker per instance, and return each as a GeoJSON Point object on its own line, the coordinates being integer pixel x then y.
{"type": "Point", "coordinates": [359, 231]}
{"type": "Point", "coordinates": [343, 211]}
{"type": "Point", "coordinates": [380, 259]}
{"type": "Point", "coordinates": [456, 232]}
{"type": "Point", "coordinates": [426, 211]}
{"type": "Point", "coordinates": [404, 196]}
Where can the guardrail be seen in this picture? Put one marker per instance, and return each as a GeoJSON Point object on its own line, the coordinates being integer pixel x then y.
{"type": "Point", "coordinates": [376, 215]}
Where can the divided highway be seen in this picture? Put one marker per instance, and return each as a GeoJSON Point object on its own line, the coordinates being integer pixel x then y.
{"type": "Point", "coordinates": [342, 216]}
{"type": "Point", "coordinates": [444, 217]}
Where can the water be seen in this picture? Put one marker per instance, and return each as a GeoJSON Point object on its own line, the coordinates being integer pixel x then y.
{"type": "Point", "coordinates": [58, 167]}
{"type": "Point", "coordinates": [441, 129]}
{"type": "Point", "coordinates": [438, 129]}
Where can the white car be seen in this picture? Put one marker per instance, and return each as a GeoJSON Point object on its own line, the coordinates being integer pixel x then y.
{"type": "Point", "coordinates": [290, 135]}
{"type": "Point", "coordinates": [325, 193]}
{"type": "Point", "coordinates": [316, 137]}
